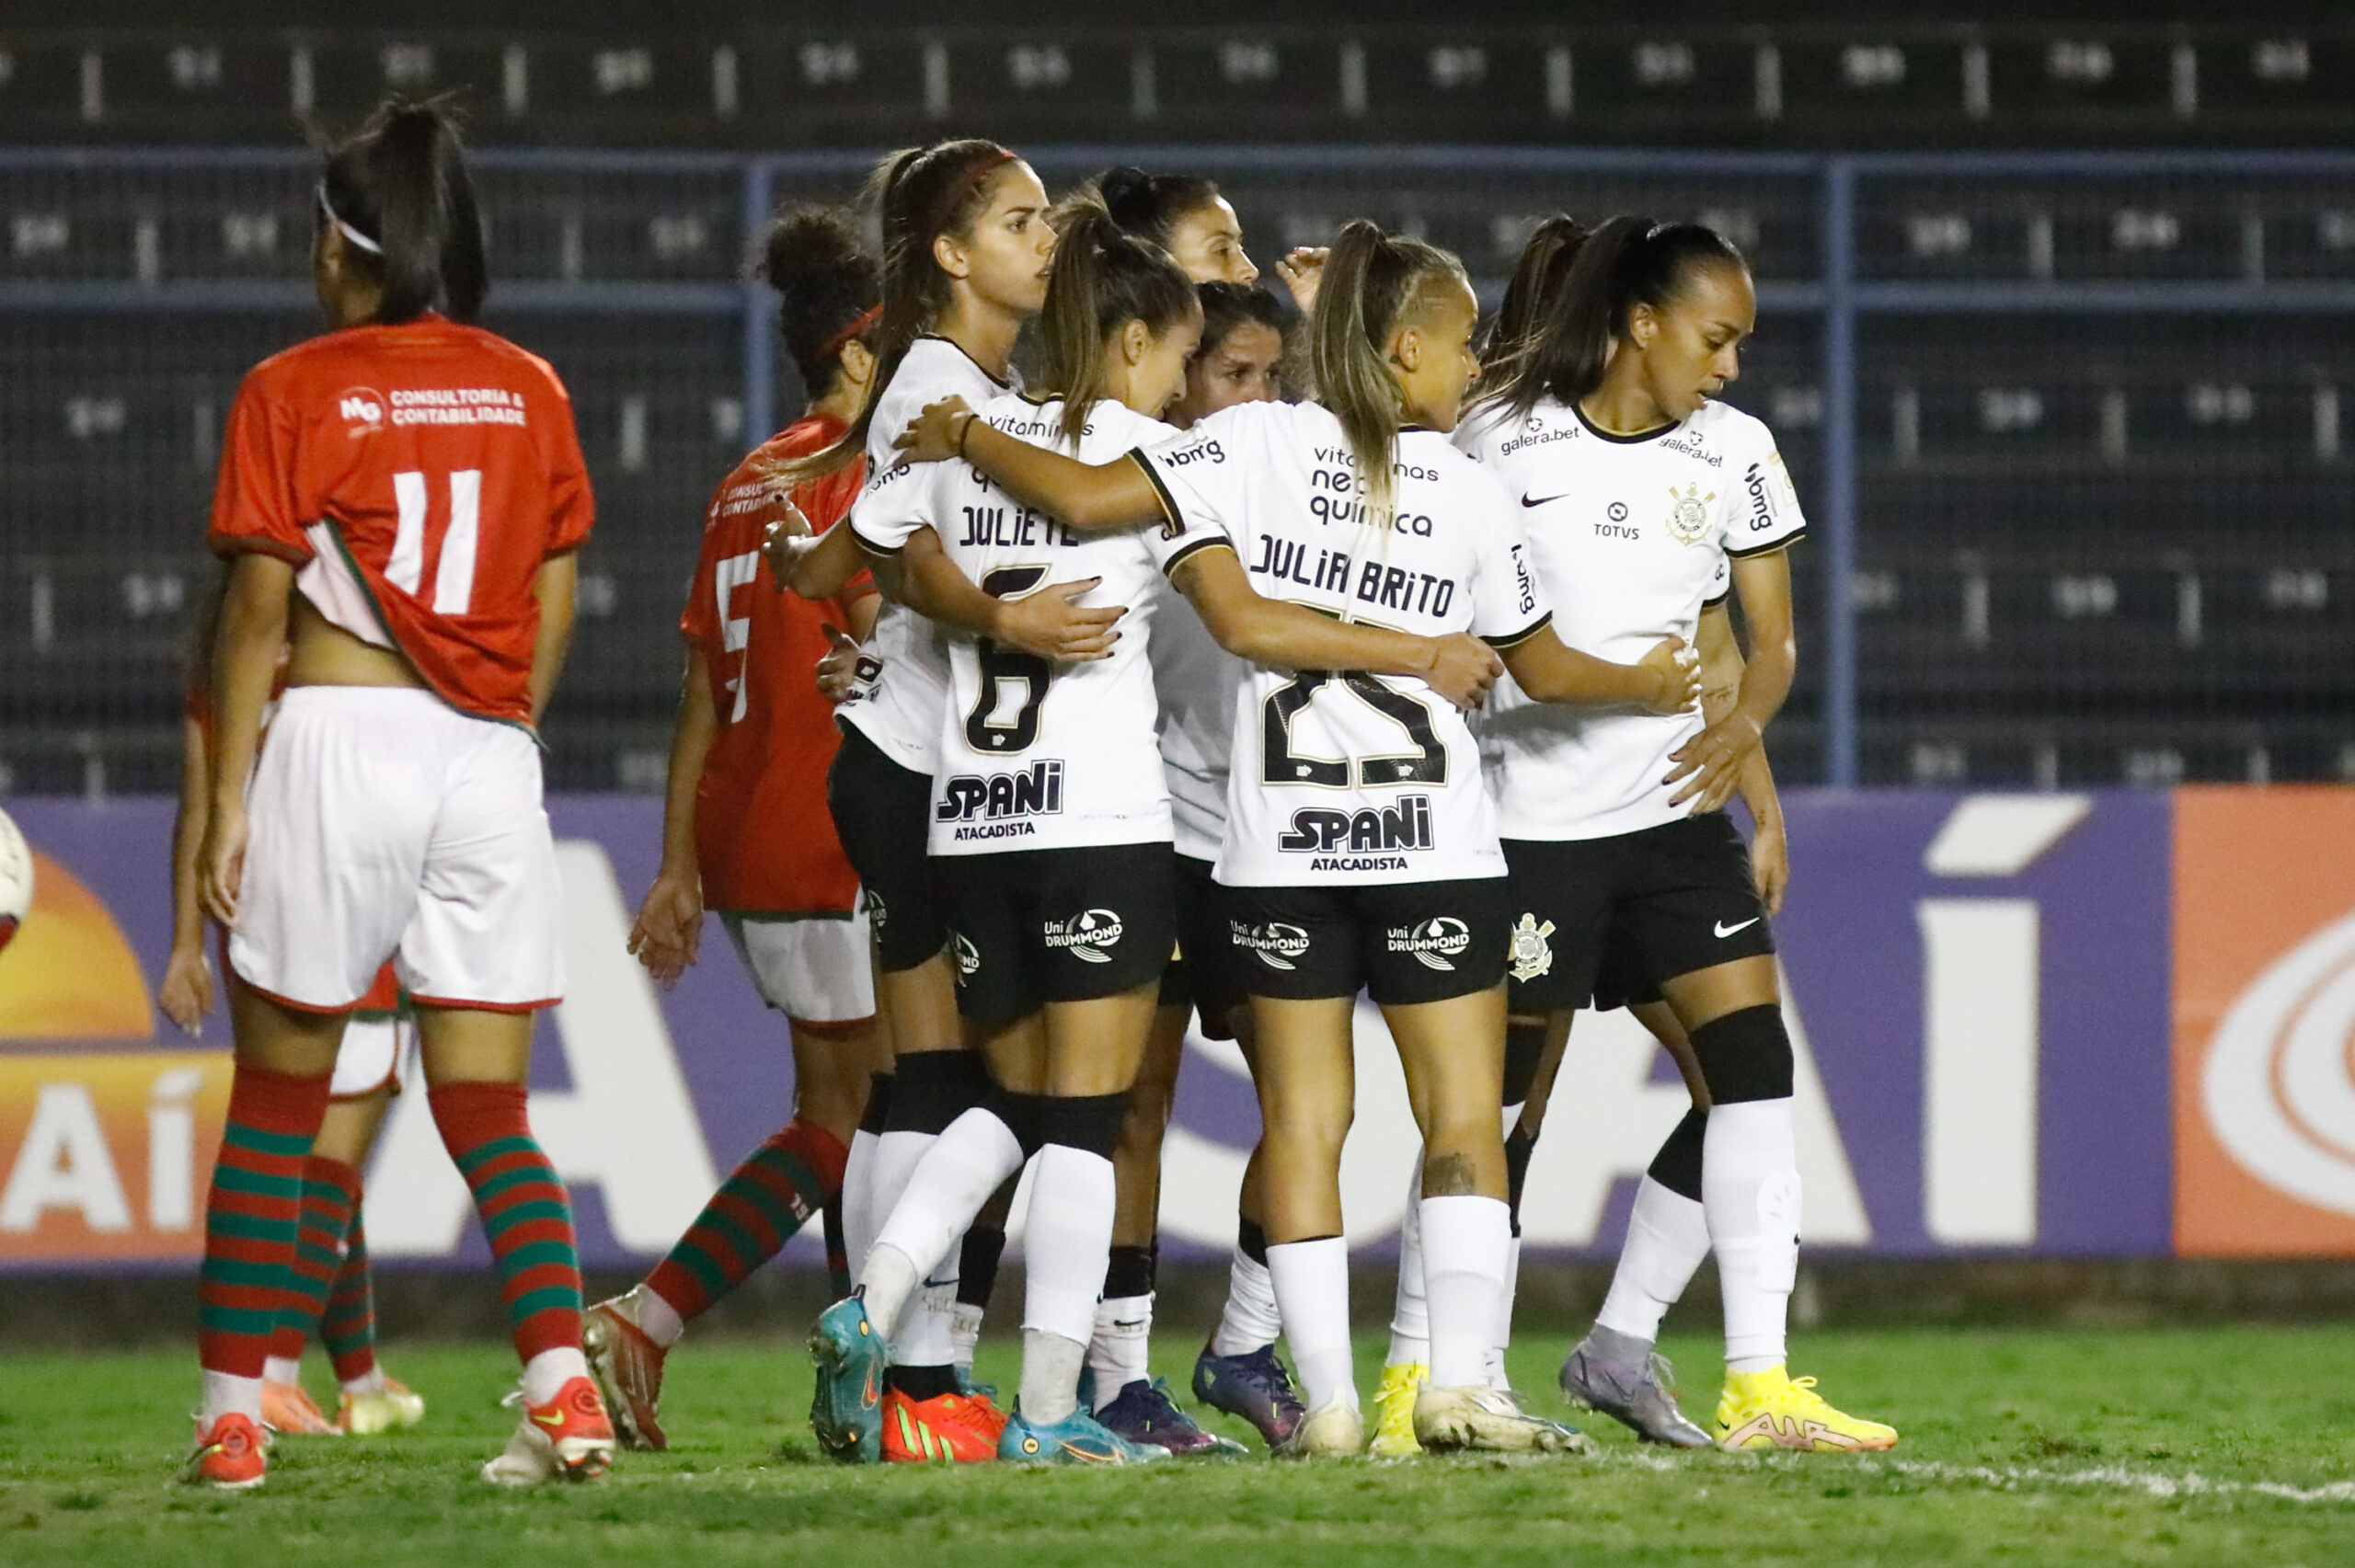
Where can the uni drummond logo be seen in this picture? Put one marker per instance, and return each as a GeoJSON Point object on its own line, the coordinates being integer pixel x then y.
{"type": "Point", "coordinates": [1087, 935]}
{"type": "Point", "coordinates": [1436, 943]}
{"type": "Point", "coordinates": [1276, 942]}
{"type": "Point", "coordinates": [2279, 1086]}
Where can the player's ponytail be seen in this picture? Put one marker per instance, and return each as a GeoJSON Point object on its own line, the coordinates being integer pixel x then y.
{"type": "Point", "coordinates": [1371, 282]}
{"type": "Point", "coordinates": [1626, 262]}
{"type": "Point", "coordinates": [920, 194]}
{"type": "Point", "coordinates": [1105, 278]}
{"type": "Point", "coordinates": [398, 192]}
{"type": "Point", "coordinates": [1152, 205]}
{"type": "Point", "coordinates": [1545, 260]}
{"type": "Point", "coordinates": [829, 289]}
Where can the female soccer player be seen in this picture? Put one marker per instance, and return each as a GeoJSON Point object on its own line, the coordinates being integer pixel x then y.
{"type": "Point", "coordinates": [1187, 215]}
{"type": "Point", "coordinates": [332, 1293]}
{"type": "Point", "coordinates": [1359, 847]}
{"type": "Point", "coordinates": [746, 828]}
{"type": "Point", "coordinates": [1062, 947]}
{"type": "Point", "coordinates": [1638, 483]}
{"type": "Point", "coordinates": [413, 486]}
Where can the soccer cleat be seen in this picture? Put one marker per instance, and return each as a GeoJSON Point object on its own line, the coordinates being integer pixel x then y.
{"type": "Point", "coordinates": [1625, 1380]}
{"type": "Point", "coordinates": [1394, 1410]}
{"type": "Point", "coordinates": [1144, 1412]}
{"type": "Point", "coordinates": [289, 1408]}
{"type": "Point", "coordinates": [846, 1408]}
{"type": "Point", "coordinates": [1773, 1409]}
{"type": "Point", "coordinates": [389, 1407]}
{"type": "Point", "coordinates": [569, 1439]}
{"type": "Point", "coordinates": [1479, 1418]}
{"type": "Point", "coordinates": [1336, 1430]}
{"type": "Point", "coordinates": [1253, 1386]}
{"type": "Point", "coordinates": [231, 1455]}
{"type": "Point", "coordinates": [948, 1429]}
{"type": "Point", "coordinates": [627, 1366]}
{"type": "Point", "coordinates": [1078, 1440]}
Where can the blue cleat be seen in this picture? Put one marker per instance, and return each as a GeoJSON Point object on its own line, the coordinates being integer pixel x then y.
{"type": "Point", "coordinates": [1254, 1386]}
{"type": "Point", "coordinates": [846, 1410]}
{"type": "Point", "coordinates": [1078, 1440]}
{"type": "Point", "coordinates": [1144, 1412]}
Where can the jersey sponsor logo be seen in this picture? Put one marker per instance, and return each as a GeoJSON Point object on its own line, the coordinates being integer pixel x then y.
{"type": "Point", "coordinates": [1524, 588]}
{"type": "Point", "coordinates": [1275, 942]}
{"type": "Point", "coordinates": [361, 409]}
{"type": "Point", "coordinates": [1761, 501]}
{"type": "Point", "coordinates": [1533, 948]}
{"type": "Point", "coordinates": [1087, 935]}
{"type": "Point", "coordinates": [1034, 791]}
{"type": "Point", "coordinates": [969, 959]}
{"type": "Point", "coordinates": [1688, 514]}
{"type": "Point", "coordinates": [1201, 452]}
{"type": "Point", "coordinates": [1685, 444]}
{"type": "Point", "coordinates": [1322, 829]}
{"type": "Point", "coordinates": [1436, 943]}
{"type": "Point", "coordinates": [1546, 500]}
{"type": "Point", "coordinates": [1535, 431]}
{"type": "Point", "coordinates": [457, 405]}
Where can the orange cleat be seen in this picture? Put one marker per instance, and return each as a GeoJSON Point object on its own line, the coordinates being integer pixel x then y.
{"type": "Point", "coordinates": [948, 1429]}
{"type": "Point", "coordinates": [289, 1408]}
{"type": "Point", "coordinates": [231, 1456]}
{"type": "Point", "coordinates": [627, 1366]}
{"type": "Point", "coordinates": [569, 1439]}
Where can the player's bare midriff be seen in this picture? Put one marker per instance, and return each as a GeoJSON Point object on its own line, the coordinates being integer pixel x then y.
{"type": "Point", "coordinates": [324, 654]}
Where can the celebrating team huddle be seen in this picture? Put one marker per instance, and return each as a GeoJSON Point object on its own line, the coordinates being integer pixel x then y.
{"type": "Point", "coordinates": [1053, 686]}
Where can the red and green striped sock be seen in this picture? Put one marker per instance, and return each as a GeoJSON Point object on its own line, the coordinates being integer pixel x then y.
{"type": "Point", "coordinates": [757, 1211]}
{"type": "Point", "coordinates": [349, 1328]}
{"type": "Point", "coordinates": [525, 1214]}
{"type": "Point", "coordinates": [251, 1216]}
{"type": "Point", "coordinates": [331, 1202]}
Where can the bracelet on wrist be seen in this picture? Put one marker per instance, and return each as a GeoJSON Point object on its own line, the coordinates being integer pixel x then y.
{"type": "Point", "coordinates": [962, 432]}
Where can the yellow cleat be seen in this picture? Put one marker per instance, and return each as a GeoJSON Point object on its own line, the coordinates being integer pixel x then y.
{"type": "Point", "coordinates": [1394, 1410]}
{"type": "Point", "coordinates": [1773, 1409]}
{"type": "Point", "coordinates": [390, 1408]}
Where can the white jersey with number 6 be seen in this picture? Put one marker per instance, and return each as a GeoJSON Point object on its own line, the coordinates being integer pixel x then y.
{"type": "Point", "coordinates": [1631, 535]}
{"type": "Point", "coordinates": [1344, 776]}
{"type": "Point", "coordinates": [1033, 754]}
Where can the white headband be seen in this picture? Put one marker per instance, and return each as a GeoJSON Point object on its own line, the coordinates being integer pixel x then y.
{"type": "Point", "coordinates": [354, 235]}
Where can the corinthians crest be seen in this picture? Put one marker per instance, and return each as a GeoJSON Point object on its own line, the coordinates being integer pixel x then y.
{"type": "Point", "coordinates": [1532, 952]}
{"type": "Point", "coordinates": [1688, 514]}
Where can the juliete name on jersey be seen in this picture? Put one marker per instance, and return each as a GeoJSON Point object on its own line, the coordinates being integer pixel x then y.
{"type": "Point", "coordinates": [1001, 802]}
{"type": "Point", "coordinates": [1320, 830]}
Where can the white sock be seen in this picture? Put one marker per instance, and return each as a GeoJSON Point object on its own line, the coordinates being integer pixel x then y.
{"type": "Point", "coordinates": [1049, 1376]}
{"type": "Point", "coordinates": [860, 1219]}
{"type": "Point", "coordinates": [1465, 1243]}
{"type": "Point", "coordinates": [657, 1319]}
{"type": "Point", "coordinates": [371, 1381]}
{"type": "Point", "coordinates": [225, 1393]}
{"type": "Point", "coordinates": [1668, 1236]}
{"type": "Point", "coordinates": [1750, 1194]}
{"type": "Point", "coordinates": [890, 1277]}
{"type": "Point", "coordinates": [1312, 1280]}
{"type": "Point", "coordinates": [959, 1172]}
{"type": "Point", "coordinates": [1069, 1243]}
{"type": "Point", "coordinates": [1502, 1341]}
{"type": "Point", "coordinates": [1121, 1352]}
{"type": "Point", "coordinates": [282, 1369]}
{"type": "Point", "coordinates": [545, 1374]}
{"type": "Point", "coordinates": [1250, 1320]}
{"type": "Point", "coordinates": [964, 1336]}
{"type": "Point", "coordinates": [1410, 1315]}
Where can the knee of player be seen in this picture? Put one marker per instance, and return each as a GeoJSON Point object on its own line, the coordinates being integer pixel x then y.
{"type": "Point", "coordinates": [1305, 1124]}
{"type": "Point", "coordinates": [1745, 1055]}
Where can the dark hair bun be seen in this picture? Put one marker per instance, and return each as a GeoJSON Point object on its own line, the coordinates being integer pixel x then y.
{"type": "Point", "coordinates": [825, 278]}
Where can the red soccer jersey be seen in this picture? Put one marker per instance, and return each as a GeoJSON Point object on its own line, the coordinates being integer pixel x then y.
{"type": "Point", "coordinates": [765, 839]}
{"type": "Point", "coordinates": [419, 476]}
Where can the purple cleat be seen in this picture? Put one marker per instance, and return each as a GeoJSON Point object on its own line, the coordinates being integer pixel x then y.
{"type": "Point", "coordinates": [1254, 1386]}
{"type": "Point", "coordinates": [1144, 1412]}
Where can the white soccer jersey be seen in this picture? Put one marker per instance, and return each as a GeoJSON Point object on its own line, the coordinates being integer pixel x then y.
{"type": "Point", "coordinates": [1347, 777]}
{"type": "Point", "coordinates": [1196, 681]}
{"type": "Point", "coordinates": [1033, 754]}
{"type": "Point", "coordinates": [1631, 536]}
{"type": "Point", "coordinates": [902, 714]}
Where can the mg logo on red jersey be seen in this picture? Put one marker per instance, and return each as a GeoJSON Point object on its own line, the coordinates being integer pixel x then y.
{"type": "Point", "coordinates": [361, 408]}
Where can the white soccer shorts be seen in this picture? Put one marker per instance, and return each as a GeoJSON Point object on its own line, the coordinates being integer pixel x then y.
{"type": "Point", "coordinates": [370, 1057]}
{"type": "Point", "coordinates": [813, 967]}
{"type": "Point", "coordinates": [383, 820]}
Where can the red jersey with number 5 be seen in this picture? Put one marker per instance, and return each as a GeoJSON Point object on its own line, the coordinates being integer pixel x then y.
{"type": "Point", "coordinates": [765, 838]}
{"type": "Point", "coordinates": [418, 476]}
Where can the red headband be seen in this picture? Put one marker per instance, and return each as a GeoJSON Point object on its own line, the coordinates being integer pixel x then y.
{"type": "Point", "coordinates": [842, 339]}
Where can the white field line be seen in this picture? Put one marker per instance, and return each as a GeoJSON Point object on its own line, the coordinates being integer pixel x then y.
{"type": "Point", "coordinates": [2108, 1478]}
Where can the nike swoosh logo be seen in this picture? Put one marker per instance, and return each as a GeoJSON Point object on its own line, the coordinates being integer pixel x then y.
{"type": "Point", "coordinates": [1541, 500]}
{"type": "Point", "coordinates": [1724, 930]}
{"type": "Point", "coordinates": [555, 1420]}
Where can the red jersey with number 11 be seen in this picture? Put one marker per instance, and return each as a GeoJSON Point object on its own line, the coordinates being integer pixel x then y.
{"type": "Point", "coordinates": [418, 475]}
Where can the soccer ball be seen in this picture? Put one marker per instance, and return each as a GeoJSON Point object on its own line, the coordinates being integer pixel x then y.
{"type": "Point", "coordinates": [16, 879]}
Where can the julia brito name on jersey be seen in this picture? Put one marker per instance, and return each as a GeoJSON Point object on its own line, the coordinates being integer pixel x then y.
{"type": "Point", "coordinates": [1328, 571]}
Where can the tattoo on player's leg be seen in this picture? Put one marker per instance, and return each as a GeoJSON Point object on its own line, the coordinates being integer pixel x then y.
{"type": "Point", "coordinates": [1450, 1175]}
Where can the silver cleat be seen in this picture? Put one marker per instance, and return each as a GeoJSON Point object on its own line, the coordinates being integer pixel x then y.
{"type": "Point", "coordinates": [1624, 1379]}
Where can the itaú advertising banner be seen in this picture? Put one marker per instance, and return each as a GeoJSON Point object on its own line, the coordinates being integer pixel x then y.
{"type": "Point", "coordinates": [1997, 1049]}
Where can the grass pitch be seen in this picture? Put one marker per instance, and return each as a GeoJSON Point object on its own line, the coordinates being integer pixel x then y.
{"type": "Point", "coordinates": [2228, 1447]}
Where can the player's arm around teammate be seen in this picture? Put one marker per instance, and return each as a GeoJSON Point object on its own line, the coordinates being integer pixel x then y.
{"type": "Point", "coordinates": [412, 486]}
